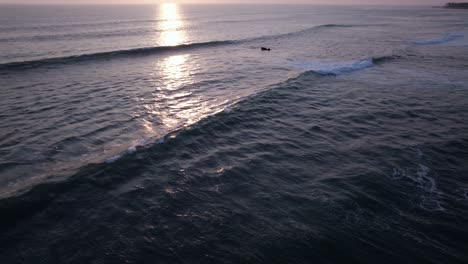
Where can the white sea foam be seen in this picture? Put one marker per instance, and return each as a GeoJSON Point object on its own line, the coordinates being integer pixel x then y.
{"type": "Point", "coordinates": [430, 197]}
{"type": "Point", "coordinates": [444, 39]}
{"type": "Point", "coordinates": [333, 67]}
{"type": "Point", "coordinates": [130, 150]}
{"type": "Point", "coordinates": [421, 177]}
{"type": "Point", "coordinates": [113, 159]}
{"type": "Point", "coordinates": [141, 143]}
{"type": "Point", "coordinates": [426, 182]}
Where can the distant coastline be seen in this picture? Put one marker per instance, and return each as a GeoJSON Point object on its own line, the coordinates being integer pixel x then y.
{"type": "Point", "coordinates": [457, 5]}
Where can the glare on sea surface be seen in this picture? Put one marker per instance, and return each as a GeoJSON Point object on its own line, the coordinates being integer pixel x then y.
{"type": "Point", "coordinates": [175, 71]}
{"type": "Point", "coordinates": [175, 105]}
{"type": "Point", "coordinates": [171, 26]}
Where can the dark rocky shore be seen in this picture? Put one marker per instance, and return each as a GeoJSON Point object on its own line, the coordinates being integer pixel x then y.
{"type": "Point", "coordinates": [457, 5]}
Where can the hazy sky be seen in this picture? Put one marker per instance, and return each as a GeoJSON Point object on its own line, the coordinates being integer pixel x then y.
{"type": "Point", "coordinates": [392, 2]}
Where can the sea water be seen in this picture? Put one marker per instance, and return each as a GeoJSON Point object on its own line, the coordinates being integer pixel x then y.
{"type": "Point", "coordinates": [145, 134]}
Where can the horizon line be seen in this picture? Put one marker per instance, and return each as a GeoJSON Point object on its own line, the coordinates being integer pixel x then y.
{"type": "Point", "coordinates": [211, 3]}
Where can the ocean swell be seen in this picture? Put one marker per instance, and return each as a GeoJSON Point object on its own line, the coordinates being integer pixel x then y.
{"type": "Point", "coordinates": [151, 50]}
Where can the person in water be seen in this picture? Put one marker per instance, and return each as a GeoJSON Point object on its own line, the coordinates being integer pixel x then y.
{"type": "Point", "coordinates": [265, 49]}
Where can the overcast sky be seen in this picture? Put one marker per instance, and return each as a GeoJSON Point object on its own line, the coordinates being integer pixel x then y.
{"type": "Point", "coordinates": [388, 2]}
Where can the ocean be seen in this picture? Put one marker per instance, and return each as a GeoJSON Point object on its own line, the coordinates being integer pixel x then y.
{"type": "Point", "coordinates": [164, 134]}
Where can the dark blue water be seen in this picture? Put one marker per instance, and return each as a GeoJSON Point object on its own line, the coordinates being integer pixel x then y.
{"type": "Point", "coordinates": [165, 135]}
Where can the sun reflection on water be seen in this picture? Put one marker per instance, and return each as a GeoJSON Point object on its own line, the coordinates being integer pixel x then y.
{"type": "Point", "coordinates": [176, 102]}
{"type": "Point", "coordinates": [175, 71]}
{"type": "Point", "coordinates": [171, 25]}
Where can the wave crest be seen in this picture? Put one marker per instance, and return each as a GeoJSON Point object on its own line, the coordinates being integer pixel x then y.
{"type": "Point", "coordinates": [444, 39]}
{"type": "Point", "coordinates": [109, 54]}
{"type": "Point", "coordinates": [340, 67]}
{"type": "Point", "coordinates": [333, 67]}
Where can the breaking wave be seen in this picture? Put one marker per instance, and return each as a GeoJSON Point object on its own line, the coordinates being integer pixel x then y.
{"type": "Point", "coordinates": [444, 39]}
{"type": "Point", "coordinates": [339, 67]}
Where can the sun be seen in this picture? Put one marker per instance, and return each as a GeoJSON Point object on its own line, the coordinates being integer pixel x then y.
{"type": "Point", "coordinates": [169, 11]}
